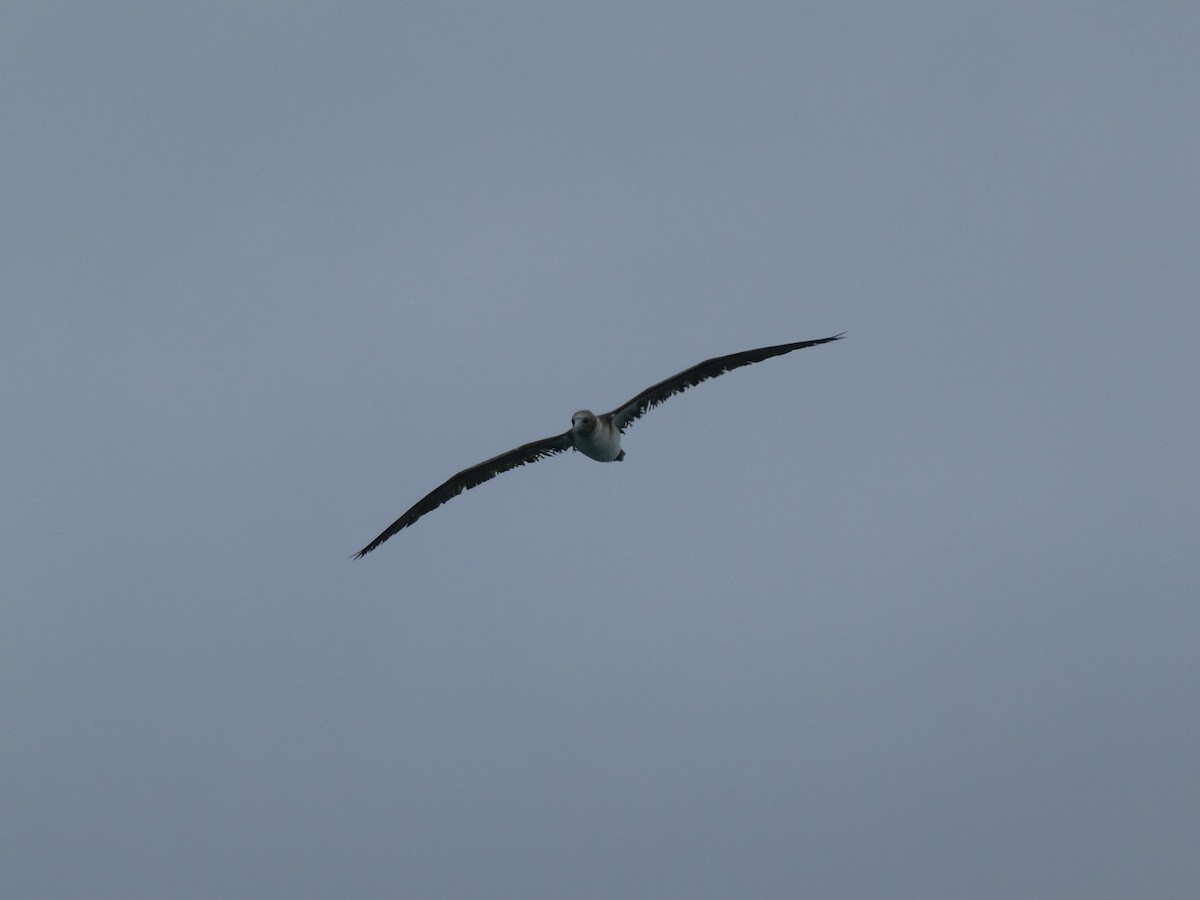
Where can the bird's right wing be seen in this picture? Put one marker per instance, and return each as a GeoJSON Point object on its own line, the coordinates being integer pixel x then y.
{"type": "Point", "coordinates": [469, 478]}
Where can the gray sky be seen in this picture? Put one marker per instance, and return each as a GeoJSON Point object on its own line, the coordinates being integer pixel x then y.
{"type": "Point", "coordinates": [912, 615]}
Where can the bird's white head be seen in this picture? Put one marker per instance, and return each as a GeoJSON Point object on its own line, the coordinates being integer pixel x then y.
{"type": "Point", "coordinates": [583, 422]}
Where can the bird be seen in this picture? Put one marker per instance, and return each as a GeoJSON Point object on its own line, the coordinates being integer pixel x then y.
{"type": "Point", "coordinates": [595, 436]}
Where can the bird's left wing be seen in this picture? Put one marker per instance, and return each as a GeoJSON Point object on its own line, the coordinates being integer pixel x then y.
{"type": "Point", "coordinates": [623, 415]}
{"type": "Point", "coordinates": [469, 478]}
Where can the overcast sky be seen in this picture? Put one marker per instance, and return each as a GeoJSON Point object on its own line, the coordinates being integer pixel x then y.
{"type": "Point", "coordinates": [911, 615]}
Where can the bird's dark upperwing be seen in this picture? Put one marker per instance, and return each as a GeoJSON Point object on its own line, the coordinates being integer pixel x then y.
{"type": "Point", "coordinates": [623, 415]}
{"type": "Point", "coordinates": [469, 478]}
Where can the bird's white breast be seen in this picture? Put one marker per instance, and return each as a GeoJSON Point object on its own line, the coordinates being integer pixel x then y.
{"type": "Point", "coordinates": [603, 444]}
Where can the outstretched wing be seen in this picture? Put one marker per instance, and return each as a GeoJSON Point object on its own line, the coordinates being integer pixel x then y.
{"type": "Point", "coordinates": [469, 478]}
{"type": "Point", "coordinates": [623, 415]}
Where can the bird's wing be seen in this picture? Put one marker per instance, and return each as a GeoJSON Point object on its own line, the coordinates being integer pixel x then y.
{"type": "Point", "coordinates": [469, 478]}
{"type": "Point", "coordinates": [623, 415]}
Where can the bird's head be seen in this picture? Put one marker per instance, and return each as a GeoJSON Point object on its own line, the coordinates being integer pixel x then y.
{"type": "Point", "coordinates": [583, 422]}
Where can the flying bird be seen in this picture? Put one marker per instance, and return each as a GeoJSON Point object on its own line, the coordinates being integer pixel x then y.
{"type": "Point", "coordinates": [595, 436]}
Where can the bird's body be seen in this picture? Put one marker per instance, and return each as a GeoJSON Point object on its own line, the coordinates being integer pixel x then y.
{"type": "Point", "coordinates": [595, 436]}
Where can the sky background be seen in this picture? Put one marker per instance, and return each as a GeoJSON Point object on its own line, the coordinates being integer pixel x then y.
{"type": "Point", "coordinates": [913, 615]}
